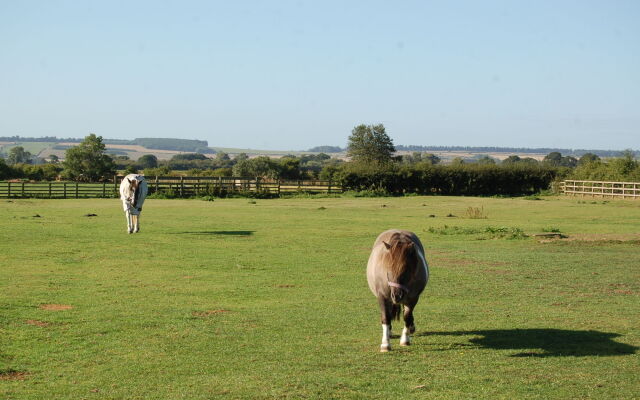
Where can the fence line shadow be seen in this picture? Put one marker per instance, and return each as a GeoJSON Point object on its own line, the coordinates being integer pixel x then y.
{"type": "Point", "coordinates": [218, 233]}
{"type": "Point", "coordinates": [542, 342]}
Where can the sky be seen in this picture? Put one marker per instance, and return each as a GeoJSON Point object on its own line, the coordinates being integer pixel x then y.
{"type": "Point", "coordinates": [291, 75]}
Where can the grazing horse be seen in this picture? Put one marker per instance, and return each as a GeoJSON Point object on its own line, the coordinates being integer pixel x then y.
{"type": "Point", "coordinates": [133, 191]}
{"type": "Point", "coordinates": [397, 273]}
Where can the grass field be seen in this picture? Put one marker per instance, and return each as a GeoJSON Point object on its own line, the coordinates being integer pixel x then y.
{"type": "Point", "coordinates": [262, 299]}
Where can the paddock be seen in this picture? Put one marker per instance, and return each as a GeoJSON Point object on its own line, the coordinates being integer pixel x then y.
{"type": "Point", "coordinates": [240, 298]}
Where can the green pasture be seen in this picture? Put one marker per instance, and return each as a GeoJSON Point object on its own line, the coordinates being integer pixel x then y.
{"type": "Point", "coordinates": [32, 147]}
{"type": "Point", "coordinates": [261, 299]}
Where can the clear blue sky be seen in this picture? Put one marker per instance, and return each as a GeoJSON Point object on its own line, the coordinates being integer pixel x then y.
{"type": "Point", "coordinates": [296, 74]}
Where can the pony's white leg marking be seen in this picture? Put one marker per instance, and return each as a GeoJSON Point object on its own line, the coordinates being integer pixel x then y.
{"type": "Point", "coordinates": [386, 334]}
{"type": "Point", "coordinates": [405, 340]}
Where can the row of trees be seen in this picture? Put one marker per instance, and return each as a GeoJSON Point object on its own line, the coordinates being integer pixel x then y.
{"type": "Point", "coordinates": [373, 165]}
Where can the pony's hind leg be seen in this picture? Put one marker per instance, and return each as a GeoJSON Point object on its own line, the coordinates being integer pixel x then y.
{"type": "Point", "coordinates": [409, 326]}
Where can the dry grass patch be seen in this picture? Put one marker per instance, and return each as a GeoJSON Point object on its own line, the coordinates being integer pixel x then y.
{"type": "Point", "coordinates": [55, 307]}
{"type": "Point", "coordinates": [208, 313]}
{"type": "Point", "coordinates": [36, 322]}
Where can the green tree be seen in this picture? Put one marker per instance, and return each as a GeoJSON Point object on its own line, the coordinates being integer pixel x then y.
{"type": "Point", "coordinates": [289, 168]}
{"type": "Point", "coordinates": [222, 157]}
{"type": "Point", "coordinates": [486, 160]}
{"type": "Point", "coordinates": [17, 155]}
{"type": "Point", "coordinates": [370, 144]}
{"type": "Point", "coordinates": [257, 167]}
{"type": "Point", "coordinates": [511, 160]}
{"type": "Point", "coordinates": [54, 159]}
{"type": "Point", "coordinates": [88, 161]}
{"type": "Point", "coordinates": [588, 158]}
{"type": "Point", "coordinates": [5, 170]}
{"type": "Point", "coordinates": [554, 159]}
{"type": "Point", "coordinates": [431, 158]}
{"type": "Point", "coordinates": [241, 156]}
{"type": "Point", "coordinates": [148, 161]}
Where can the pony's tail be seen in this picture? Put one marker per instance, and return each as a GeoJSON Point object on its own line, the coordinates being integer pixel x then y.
{"type": "Point", "coordinates": [396, 311]}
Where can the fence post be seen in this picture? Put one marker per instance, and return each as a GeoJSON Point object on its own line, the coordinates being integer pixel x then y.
{"type": "Point", "coordinates": [77, 196]}
{"type": "Point", "coordinates": [104, 188]}
{"type": "Point", "coordinates": [64, 190]}
{"type": "Point", "coordinates": [182, 186]}
{"type": "Point", "coordinates": [49, 189]}
{"type": "Point", "coordinates": [115, 183]}
{"type": "Point", "coordinates": [23, 189]}
{"type": "Point", "coordinates": [329, 187]}
{"type": "Point", "coordinates": [8, 189]}
{"type": "Point", "coordinates": [156, 183]}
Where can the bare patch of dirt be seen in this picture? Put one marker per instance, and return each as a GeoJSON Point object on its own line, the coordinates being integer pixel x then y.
{"type": "Point", "coordinates": [36, 322]}
{"type": "Point", "coordinates": [208, 313]}
{"type": "Point", "coordinates": [11, 375]}
{"type": "Point", "coordinates": [620, 288]}
{"type": "Point", "coordinates": [55, 307]}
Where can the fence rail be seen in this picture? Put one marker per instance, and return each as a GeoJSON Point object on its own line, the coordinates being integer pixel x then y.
{"type": "Point", "coordinates": [177, 186]}
{"type": "Point", "coordinates": [624, 190]}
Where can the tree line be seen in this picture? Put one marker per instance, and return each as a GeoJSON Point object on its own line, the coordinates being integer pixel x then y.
{"type": "Point", "coordinates": [372, 165]}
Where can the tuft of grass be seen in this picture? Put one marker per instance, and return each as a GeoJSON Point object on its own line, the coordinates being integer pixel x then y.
{"type": "Point", "coordinates": [475, 213]}
{"type": "Point", "coordinates": [488, 232]}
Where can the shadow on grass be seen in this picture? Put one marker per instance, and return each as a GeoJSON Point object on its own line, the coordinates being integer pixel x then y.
{"type": "Point", "coordinates": [543, 342]}
{"type": "Point", "coordinates": [218, 233]}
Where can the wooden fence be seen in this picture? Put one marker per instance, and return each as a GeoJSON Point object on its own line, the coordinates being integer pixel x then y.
{"type": "Point", "coordinates": [623, 190]}
{"type": "Point", "coordinates": [176, 186]}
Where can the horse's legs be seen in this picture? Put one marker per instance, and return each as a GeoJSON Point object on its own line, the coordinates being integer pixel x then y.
{"type": "Point", "coordinates": [136, 223]}
{"type": "Point", "coordinates": [128, 215]}
{"type": "Point", "coordinates": [409, 326]}
{"type": "Point", "coordinates": [386, 316]}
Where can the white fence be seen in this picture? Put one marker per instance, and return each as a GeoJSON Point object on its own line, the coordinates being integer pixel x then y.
{"type": "Point", "coordinates": [623, 190]}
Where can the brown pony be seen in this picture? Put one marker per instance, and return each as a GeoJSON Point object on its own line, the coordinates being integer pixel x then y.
{"type": "Point", "coordinates": [397, 273]}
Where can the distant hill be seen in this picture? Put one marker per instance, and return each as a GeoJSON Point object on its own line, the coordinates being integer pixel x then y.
{"type": "Point", "coordinates": [202, 146]}
{"type": "Point", "coordinates": [193, 146]}
{"type": "Point", "coordinates": [325, 149]}
{"type": "Point", "coordinates": [513, 150]}
{"type": "Point", "coordinates": [182, 145]}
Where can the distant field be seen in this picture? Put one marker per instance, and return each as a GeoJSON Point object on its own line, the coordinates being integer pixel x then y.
{"type": "Point", "coordinates": [245, 299]}
{"type": "Point", "coordinates": [32, 147]}
{"type": "Point", "coordinates": [274, 153]}
{"type": "Point", "coordinates": [134, 152]}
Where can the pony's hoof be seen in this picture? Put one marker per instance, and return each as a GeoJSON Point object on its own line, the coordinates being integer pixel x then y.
{"type": "Point", "coordinates": [405, 344]}
{"type": "Point", "coordinates": [385, 348]}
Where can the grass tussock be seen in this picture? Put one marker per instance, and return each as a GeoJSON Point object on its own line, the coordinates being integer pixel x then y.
{"type": "Point", "coordinates": [487, 232]}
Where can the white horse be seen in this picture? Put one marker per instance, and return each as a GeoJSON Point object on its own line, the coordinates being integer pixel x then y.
{"type": "Point", "coordinates": [133, 191]}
